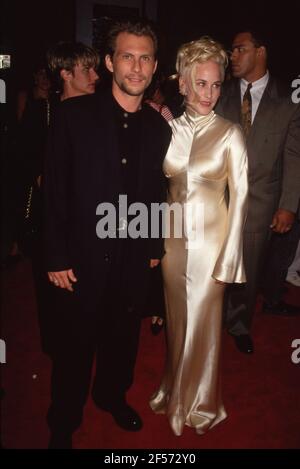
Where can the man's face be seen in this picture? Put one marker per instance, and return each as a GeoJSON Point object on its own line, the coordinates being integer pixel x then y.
{"type": "Point", "coordinates": [82, 80]}
{"type": "Point", "coordinates": [41, 80]}
{"type": "Point", "coordinates": [133, 64]}
{"type": "Point", "coordinates": [244, 56]}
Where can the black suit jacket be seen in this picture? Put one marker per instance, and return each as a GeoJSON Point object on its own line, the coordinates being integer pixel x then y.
{"type": "Point", "coordinates": [83, 167]}
{"type": "Point", "coordinates": [273, 147]}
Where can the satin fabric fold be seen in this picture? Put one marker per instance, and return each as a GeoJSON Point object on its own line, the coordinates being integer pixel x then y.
{"type": "Point", "coordinates": [207, 154]}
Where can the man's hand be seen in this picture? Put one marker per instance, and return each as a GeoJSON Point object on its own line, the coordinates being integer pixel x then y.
{"type": "Point", "coordinates": [282, 221]}
{"type": "Point", "coordinates": [154, 263]}
{"type": "Point", "coordinates": [63, 279]}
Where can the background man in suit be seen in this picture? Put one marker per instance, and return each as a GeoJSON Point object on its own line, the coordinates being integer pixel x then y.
{"type": "Point", "coordinates": [271, 124]}
{"type": "Point", "coordinates": [101, 146]}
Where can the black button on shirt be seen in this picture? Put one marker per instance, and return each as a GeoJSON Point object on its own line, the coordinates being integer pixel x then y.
{"type": "Point", "coordinates": [129, 125]}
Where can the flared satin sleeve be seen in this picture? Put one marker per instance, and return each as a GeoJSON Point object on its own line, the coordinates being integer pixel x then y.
{"type": "Point", "coordinates": [229, 267]}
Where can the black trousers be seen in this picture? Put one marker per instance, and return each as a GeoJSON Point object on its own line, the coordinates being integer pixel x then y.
{"type": "Point", "coordinates": [44, 297]}
{"type": "Point", "coordinates": [239, 304]}
{"type": "Point", "coordinates": [281, 252]}
{"type": "Point", "coordinates": [111, 334]}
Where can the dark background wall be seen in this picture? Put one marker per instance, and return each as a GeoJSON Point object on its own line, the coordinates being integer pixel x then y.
{"type": "Point", "coordinates": [29, 27]}
{"type": "Point", "coordinates": [190, 19]}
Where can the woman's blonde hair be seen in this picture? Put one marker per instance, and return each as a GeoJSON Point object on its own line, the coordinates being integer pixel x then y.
{"type": "Point", "coordinates": [200, 51]}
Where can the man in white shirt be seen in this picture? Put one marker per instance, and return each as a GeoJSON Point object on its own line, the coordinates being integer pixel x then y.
{"type": "Point", "coordinates": [271, 124]}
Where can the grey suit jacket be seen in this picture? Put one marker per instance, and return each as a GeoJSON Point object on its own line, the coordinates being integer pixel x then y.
{"type": "Point", "coordinates": [273, 146]}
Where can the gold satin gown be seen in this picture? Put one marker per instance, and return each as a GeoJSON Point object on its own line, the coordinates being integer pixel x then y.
{"type": "Point", "coordinates": [206, 154]}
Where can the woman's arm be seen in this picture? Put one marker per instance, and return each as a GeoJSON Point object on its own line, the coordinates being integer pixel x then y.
{"type": "Point", "coordinates": [229, 266]}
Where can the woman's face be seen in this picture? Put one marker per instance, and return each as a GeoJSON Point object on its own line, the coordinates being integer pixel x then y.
{"type": "Point", "coordinates": [203, 90]}
{"type": "Point", "coordinates": [41, 80]}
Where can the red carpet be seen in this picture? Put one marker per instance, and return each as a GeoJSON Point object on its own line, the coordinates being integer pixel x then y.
{"type": "Point", "coordinates": [261, 392]}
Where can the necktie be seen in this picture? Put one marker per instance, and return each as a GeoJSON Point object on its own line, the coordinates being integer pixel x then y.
{"type": "Point", "coordinates": [247, 110]}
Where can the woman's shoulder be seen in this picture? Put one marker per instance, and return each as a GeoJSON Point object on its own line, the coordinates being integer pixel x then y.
{"type": "Point", "coordinates": [179, 120]}
{"type": "Point", "coordinates": [227, 125]}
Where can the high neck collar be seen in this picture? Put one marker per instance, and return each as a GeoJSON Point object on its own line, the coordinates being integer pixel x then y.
{"type": "Point", "coordinates": [195, 119]}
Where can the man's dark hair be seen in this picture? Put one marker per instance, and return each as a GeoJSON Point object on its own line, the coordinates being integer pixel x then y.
{"type": "Point", "coordinates": [65, 55]}
{"type": "Point", "coordinates": [259, 39]}
{"type": "Point", "coordinates": [139, 28]}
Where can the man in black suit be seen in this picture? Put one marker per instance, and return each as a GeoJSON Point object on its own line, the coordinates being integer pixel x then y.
{"type": "Point", "coordinates": [102, 146]}
{"type": "Point", "coordinates": [271, 123]}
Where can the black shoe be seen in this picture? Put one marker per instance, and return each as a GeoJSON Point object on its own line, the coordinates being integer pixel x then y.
{"type": "Point", "coordinates": [156, 327]}
{"type": "Point", "coordinates": [124, 415]}
{"type": "Point", "coordinates": [58, 441]}
{"type": "Point", "coordinates": [244, 343]}
{"type": "Point", "coordinates": [281, 309]}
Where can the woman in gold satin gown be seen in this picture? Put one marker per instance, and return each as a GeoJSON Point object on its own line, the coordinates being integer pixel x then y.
{"type": "Point", "coordinates": [207, 154]}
